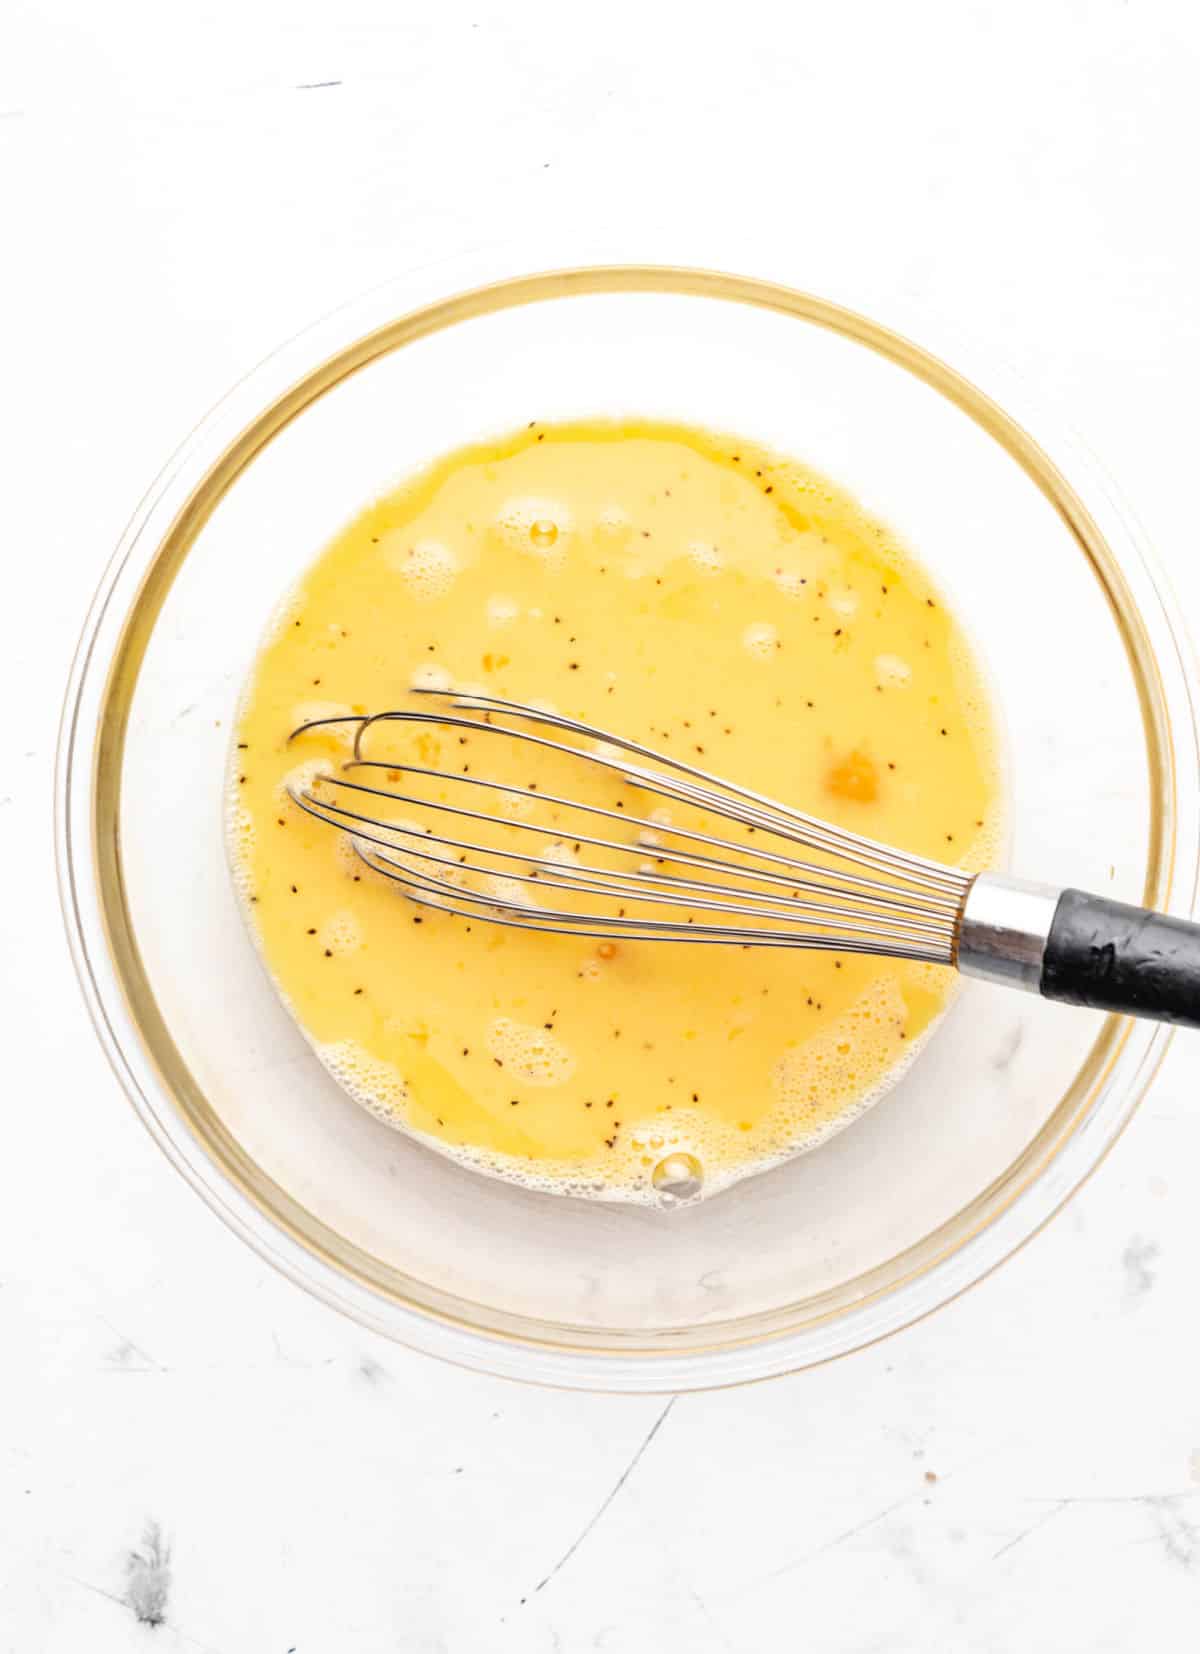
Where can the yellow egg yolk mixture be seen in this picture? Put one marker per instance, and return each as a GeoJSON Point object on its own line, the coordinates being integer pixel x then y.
{"type": "Point", "coordinates": [700, 595]}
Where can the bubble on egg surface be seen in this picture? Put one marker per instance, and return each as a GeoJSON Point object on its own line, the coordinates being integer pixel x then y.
{"type": "Point", "coordinates": [609, 753]}
{"type": "Point", "coordinates": [790, 583]}
{"type": "Point", "coordinates": [826, 1072]}
{"type": "Point", "coordinates": [404, 850]}
{"type": "Point", "coordinates": [304, 778]}
{"type": "Point", "coordinates": [843, 600]}
{"type": "Point", "coordinates": [613, 526]}
{"type": "Point", "coordinates": [464, 689]}
{"type": "Point", "coordinates": [531, 1054]}
{"type": "Point", "coordinates": [705, 556]}
{"type": "Point", "coordinates": [560, 854]}
{"type": "Point", "coordinates": [427, 567]}
{"type": "Point", "coordinates": [346, 855]}
{"type": "Point", "coordinates": [892, 672]}
{"type": "Point", "coordinates": [340, 934]}
{"type": "Point", "coordinates": [241, 836]}
{"type": "Point", "coordinates": [942, 980]}
{"type": "Point", "coordinates": [760, 640]}
{"type": "Point", "coordinates": [429, 675]}
{"type": "Point", "coordinates": [510, 892]}
{"type": "Point", "coordinates": [502, 611]}
{"type": "Point", "coordinates": [678, 1176]}
{"type": "Point", "coordinates": [314, 712]}
{"type": "Point", "coordinates": [535, 525]}
{"type": "Point", "coordinates": [379, 1086]}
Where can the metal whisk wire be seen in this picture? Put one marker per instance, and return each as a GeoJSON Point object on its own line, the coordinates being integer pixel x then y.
{"type": "Point", "coordinates": [868, 898]}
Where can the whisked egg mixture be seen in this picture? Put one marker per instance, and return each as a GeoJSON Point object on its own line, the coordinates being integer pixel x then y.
{"type": "Point", "coordinates": [690, 591]}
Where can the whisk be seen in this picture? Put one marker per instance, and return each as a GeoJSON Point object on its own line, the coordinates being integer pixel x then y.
{"type": "Point", "coordinates": [787, 879]}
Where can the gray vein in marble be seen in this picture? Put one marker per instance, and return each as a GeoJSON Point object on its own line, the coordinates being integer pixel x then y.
{"type": "Point", "coordinates": [125, 1354]}
{"type": "Point", "coordinates": [608, 1499]}
{"type": "Point", "coordinates": [701, 1606]}
{"type": "Point", "coordinates": [1173, 1496]}
{"type": "Point", "coordinates": [1136, 1260]}
{"type": "Point", "coordinates": [673, 1568]}
{"type": "Point", "coordinates": [922, 1493]}
{"type": "Point", "coordinates": [1180, 1539]}
{"type": "Point", "coordinates": [286, 1360]}
{"type": "Point", "coordinates": [148, 1577]}
{"type": "Point", "coordinates": [1046, 1516]}
{"type": "Point", "coordinates": [837, 1539]}
{"type": "Point", "coordinates": [120, 1602]}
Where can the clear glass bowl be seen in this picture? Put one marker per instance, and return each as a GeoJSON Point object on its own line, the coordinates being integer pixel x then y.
{"type": "Point", "coordinates": [1015, 1100]}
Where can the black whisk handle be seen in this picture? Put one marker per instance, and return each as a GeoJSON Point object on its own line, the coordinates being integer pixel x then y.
{"type": "Point", "coordinates": [1114, 957]}
{"type": "Point", "coordinates": [1080, 949]}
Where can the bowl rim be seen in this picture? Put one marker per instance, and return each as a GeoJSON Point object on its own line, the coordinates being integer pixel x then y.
{"type": "Point", "coordinates": [135, 1038]}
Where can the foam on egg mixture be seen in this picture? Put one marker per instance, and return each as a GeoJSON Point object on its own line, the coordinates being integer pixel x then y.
{"type": "Point", "coordinates": [689, 591]}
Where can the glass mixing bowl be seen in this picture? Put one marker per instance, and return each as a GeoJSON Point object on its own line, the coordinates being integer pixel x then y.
{"type": "Point", "coordinates": [1010, 1107]}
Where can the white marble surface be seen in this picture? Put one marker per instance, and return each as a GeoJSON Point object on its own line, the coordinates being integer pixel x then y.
{"type": "Point", "coordinates": [184, 1435]}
